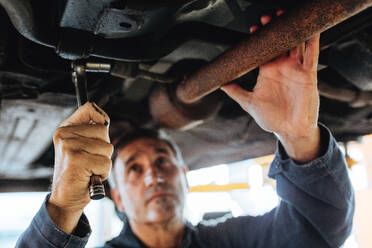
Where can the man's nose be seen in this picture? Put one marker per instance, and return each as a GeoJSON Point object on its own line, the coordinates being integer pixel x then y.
{"type": "Point", "coordinates": [152, 177]}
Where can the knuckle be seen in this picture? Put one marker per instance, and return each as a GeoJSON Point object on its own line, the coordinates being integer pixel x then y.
{"type": "Point", "coordinates": [107, 163]}
{"type": "Point", "coordinates": [65, 147]}
{"type": "Point", "coordinates": [73, 161]}
{"type": "Point", "coordinates": [104, 176]}
{"type": "Point", "coordinates": [69, 144]}
{"type": "Point", "coordinates": [101, 128]}
{"type": "Point", "coordinates": [58, 134]}
{"type": "Point", "coordinates": [110, 149]}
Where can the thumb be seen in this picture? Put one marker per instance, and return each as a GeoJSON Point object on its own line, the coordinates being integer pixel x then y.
{"type": "Point", "coordinates": [238, 94]}
{"type": "Point", "coordinates": [87, 114]}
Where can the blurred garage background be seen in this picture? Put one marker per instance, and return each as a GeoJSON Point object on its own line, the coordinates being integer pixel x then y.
{"type": "Point", "coordinates": [216, 193]}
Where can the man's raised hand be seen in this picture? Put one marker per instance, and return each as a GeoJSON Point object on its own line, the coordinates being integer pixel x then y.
{"type": "Point", "coordinates": [285, 100]}
{"type": "Point", "coordinates": [82, 148]}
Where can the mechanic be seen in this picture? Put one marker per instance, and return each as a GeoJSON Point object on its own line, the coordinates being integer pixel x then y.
{"type": "Point", "coordinates": [317, 202]}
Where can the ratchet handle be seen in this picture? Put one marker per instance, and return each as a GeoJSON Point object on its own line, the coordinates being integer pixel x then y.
{"type": "Point", "coordinates": [96, 188]}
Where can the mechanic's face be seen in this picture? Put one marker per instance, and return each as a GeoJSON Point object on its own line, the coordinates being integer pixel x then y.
{"type": "Point", "coordinates": [152, 186]}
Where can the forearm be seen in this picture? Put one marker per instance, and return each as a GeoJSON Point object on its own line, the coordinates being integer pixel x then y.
{"type": "Point", "coordinates": [43, 232]}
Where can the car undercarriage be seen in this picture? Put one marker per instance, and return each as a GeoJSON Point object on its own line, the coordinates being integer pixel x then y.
{"type": "Point", "coordinates": [160, 63]}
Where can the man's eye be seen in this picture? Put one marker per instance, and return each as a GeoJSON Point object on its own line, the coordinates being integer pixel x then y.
{"type": "Point", "coordinates": [162, 161]}
{"type": "Point", "coordinates": [134, 168]}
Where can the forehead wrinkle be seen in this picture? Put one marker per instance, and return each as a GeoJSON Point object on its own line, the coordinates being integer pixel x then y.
{"type": "Point", "coordinates": [161, 150]}
{"type": "Point", "coordinates": [159, 147]}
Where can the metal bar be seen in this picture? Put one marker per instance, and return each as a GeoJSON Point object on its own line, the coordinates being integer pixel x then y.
{"type": "Point", "coordinates": [98, 67]}
{"type": "Point", "coordinates": [286, 32]}
{"type": "Point", "coordinates": [80, 82]}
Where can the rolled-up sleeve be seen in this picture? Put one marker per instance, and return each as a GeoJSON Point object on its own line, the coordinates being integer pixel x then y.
{"type": "Point", "coordinates": [316, 207]}
{"type": "Point", "coordinates": [42, 232]}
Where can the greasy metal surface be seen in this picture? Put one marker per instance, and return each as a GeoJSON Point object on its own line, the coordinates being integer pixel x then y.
{"type": "Point", "coordinates": [118, 19]}
{"type": "Point", "coordinates": [4, 28]}
{"type": "Point", "coordinates": [127, 70]}
{"type": "Point", "coordinates": [82, 15]}
{"type": "Point", "coordinates": [287, 32]}
{"type": "Point", "coordinates": [223, 141]}
{"type": "Point", "coordinates": [353, 61]}
{"type": "Point", "coordinates": [26, 128]}
{"type": "Point", "coordinates": [346, 29]}
{"type": "Point", "coordinates": [167, 112]}
{"type": "Point", "coordinates": [21, 15]}
{"type": "Point", "coordinates": [355, 98]}
{"type": "Point", "coordinates": [18, 85]}
{"type": "Point", "coordinates": [144, 49]}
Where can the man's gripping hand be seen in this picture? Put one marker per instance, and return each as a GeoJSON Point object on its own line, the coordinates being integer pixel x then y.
{"type": "Point", "coordinates": [82, 148]}
{"type": "Point", "coordinates": [285, 100]}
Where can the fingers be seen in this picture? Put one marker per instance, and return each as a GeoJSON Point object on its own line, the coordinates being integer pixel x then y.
{"type": "Point", "coordinates": [253, 29]}
{"type": "Point", "coordinates": [82, 148]}
{"type": "Point", "coordinates": [312, 52]}
{"type": "Point", "coordinates": [88, 163]}
{"type": "Point", "coordinates": [88, 113]}
{"type": "Point", "coordinates": [82, 151]}
{"type": "Point", "coordinates": [298, 52]}
{"type": "Point", "coordinates": [307, 53]}
{"type": "Point", "coordinates": [265, 19]}
{"type": "Point", "coordinates": [88, 145]}
{"type": "Point", "coordinates": [238, 94]}
{"type": "Point", "coordinates": [96, 131]}
{"type": "Point", "coordinates": [279, 12]}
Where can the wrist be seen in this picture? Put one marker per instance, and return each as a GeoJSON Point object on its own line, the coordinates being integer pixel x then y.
{"type": "Point", "coordinates": [302, 149]}
{"type": "Point", "coordinates": [65, 218]}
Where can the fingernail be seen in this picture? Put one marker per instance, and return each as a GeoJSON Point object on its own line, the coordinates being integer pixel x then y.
{"type": "Point", "coordinates": [279, 12]}
{"type": "Point", "coordinates": [265, 19]}
{"type": "Point", "coordinates": [253, 29]}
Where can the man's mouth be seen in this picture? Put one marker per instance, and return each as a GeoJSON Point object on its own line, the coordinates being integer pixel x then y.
{"type": "Point", "coordinates": [159, 195]}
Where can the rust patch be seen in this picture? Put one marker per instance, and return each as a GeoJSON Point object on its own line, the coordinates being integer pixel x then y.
{"type": "Point", "coordinates": [286, 32]}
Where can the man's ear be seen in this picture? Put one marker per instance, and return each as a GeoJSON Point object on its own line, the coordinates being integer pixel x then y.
{"type": "Point", "coordinates": [117, 199]}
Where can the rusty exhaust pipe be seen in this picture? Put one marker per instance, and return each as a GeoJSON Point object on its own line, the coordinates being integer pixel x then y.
{"type": "Point", "coordinates": [185, 106]}
{"type": "Point", "coordinates": [286, 32]}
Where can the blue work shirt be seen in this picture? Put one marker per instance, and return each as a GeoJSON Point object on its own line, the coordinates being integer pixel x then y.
{"type": "Point", "coordinates": [315, 211]}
